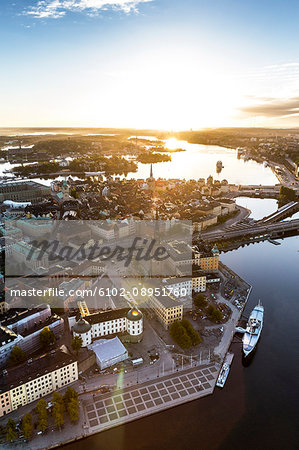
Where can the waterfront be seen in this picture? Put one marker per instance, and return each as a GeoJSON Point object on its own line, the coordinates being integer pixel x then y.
{"type": "Point", "coordinates": [258, 406]}
{"type": "Point", "coordinates": [198, 161]}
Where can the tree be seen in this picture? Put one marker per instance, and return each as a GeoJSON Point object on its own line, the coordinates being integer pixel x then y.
{"type": "Point", "coordinates": [200, 301]}
{"type": "Point", "coordinates": [10, 430]}
{"type": "Point", "coordinates": [47, 337]}
{"type": "Point", "coordinates": [214, 314]}
{"type": "Point", "coordinates": [58, 409]}
{"type": "Point", "coordinates": [194, 335]}
{"type": "Point", "coordinates": [71, 402]}
{"type": "Point", "coordinates": [77, 344]}
{"type": "Point", "coordinates": [57, 413]}
{"type": "Point", "coordinates": [180, 335]}
{"type": "Point", "coordinates": [286, 195]}
{"type": "Point", "coordinates": [70, 393]}
{"type": "Point", "coordinates": [73, 409]}
{"type": "Point", "coordinates": [17, 355]}
{"type": "Point", "coordinates": [27, 426]}
{"type": "Point", "coordinates": [41, 408]}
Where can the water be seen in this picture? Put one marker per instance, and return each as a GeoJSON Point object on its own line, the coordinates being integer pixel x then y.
{"type": "Point", "coordinates": [259, 207]}
{"type": "Point", "coordinates": [199, 161]}
{"type": "Point", "coordinates": [258, 407]}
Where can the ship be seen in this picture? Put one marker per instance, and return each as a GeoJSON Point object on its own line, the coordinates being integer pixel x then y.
{"type": "Point", "coordinates": [253, 329]}
{"type": "Point", "coordinates": [223, 374]}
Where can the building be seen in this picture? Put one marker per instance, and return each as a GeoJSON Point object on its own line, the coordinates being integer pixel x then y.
{"type": "Point", "coordinates": [207, 261]}
{"type": "Point", "coordinates": [22, 327]}
{"type": "Point", "coordinates": [109, 352]}
{"type": "Point", "coordinates": [25, 254]}
{"type": "Point", "coordinates": [166, 308]}
{"type": "Point", "coordinates": [178, 286]}
{"type": "Point", "coordinates": [123, 321]}
{"type": "Point", "coordinates": [8, 339]}
{"type": "Point", "coordinates": [35, 227]}
{"type": "Point", "coordinates": [35, 379]}
{"type": "Point", "coordinates": [20, 191]}
{"type": "Point", "coordinates": [199, 279]}
{"type": "Point", "coordinates": [207, 221]}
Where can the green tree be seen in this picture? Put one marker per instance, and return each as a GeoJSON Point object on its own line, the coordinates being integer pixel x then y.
{"type": "Point", "coordinates": [17, 355]}
{"type": "Point", "coordinates": [70, 393]}
{"type": "Point", "coordinates": [58, 409]}
{"type": "Point", "coordinates": [73, 409]}
{"type": "Point", "coordinates": [47, 337]}
{"type": "Point", "coordinates": [10, 430]}
{"type": "Point", "coordinates": [77, 344]}
{"type": "Point", "coordinates": [180, 335]}
{"type": "Point", "coordinates": [200, 301]}
{"type": "Point", "coordinates": [27, 426]}
{"type": "Point", "coordinates": [41, 408]}
{"type": "Point", "coordinates": [214, 314]}
{"type": "Point", "coordinates": [194, 335]}
{"type": "Point", "coordinates": [286, 195]}
{"type": "Point", "coordinates": [57, 413]}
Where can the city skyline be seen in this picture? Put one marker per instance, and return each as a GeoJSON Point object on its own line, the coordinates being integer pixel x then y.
{"type": "Point", "coordinates": [149, 64]}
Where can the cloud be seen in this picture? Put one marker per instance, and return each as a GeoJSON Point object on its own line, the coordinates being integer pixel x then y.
{"type": "Point", "coordinates": [56, 9]}
{"type": "Point", "coordinates": [272, 107]}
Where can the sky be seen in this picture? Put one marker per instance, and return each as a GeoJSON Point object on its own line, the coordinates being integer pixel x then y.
{"type": "Point", "coordinates": [159, 64]}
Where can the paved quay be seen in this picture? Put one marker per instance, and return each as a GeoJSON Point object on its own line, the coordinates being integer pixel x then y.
{"type": "Point", "coordinates": [132, 403]}
{"type": "Point", "coordinates": [99, 412]}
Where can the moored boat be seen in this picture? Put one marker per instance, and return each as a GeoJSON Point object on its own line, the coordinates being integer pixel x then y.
{"type": "Point", "coordinates": [253, 329]}
{"type": "Point", "coordinates": [223, 374]}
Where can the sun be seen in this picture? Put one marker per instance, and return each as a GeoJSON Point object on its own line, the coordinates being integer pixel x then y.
{"type": "Point", "coordinates": [171, 143]}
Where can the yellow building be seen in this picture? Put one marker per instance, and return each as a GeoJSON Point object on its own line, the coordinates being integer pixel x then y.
{"type": "Point", "coordinates": [167, 308]}
{"type": "Point", "coordinates": [35, 379]}
{"type": "Point", "coordinates": [207, 262]}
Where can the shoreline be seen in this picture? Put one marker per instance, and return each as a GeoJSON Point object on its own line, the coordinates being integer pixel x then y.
{"type": "Point", "coordinates": [92, 405]}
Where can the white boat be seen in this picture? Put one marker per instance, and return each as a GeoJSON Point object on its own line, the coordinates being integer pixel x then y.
{"type": "Point", "coordinates": [253, 329]}
{"type": "Point", "coordinates": [223, 374]}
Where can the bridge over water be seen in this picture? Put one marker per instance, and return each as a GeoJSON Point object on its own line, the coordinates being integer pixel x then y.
{"type": "Point", "coordinates": [265, 230]}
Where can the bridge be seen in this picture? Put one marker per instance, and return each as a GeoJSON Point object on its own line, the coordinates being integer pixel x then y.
{"type": "Point", "coordinates": [255, 230]}
{"type": "Point", "coordinates": [283, 212]}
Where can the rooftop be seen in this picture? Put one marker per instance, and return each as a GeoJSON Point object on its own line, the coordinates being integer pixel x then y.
{"type": "Point", "coordinates": [30, 370]}
{"type": "Point", "coordinates": [14, 315]}
{"type": "Point", "coordinates": [107, 315]}
{"type": "Point", "coordinates": [6, 335]}
{"type": "Point", "coordinates": [106, 349]}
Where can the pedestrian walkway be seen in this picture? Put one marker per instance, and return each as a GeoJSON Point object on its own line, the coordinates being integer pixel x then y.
{"type": "Point", "coordinates": [113, 409]}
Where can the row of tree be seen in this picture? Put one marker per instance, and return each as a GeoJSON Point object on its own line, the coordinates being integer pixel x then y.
{"type": "Point", "coordinates": [183, 333]}
{"type": "Point", "coordinates": [68, 402]}
{"type": "Point", "coordinates": [213, 313]}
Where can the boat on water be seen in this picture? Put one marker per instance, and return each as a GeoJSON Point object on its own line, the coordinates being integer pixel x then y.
{"type": "Point", "coordinates": [253, 329]}
{"type": "Point", "coordinates": [223, 374]}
